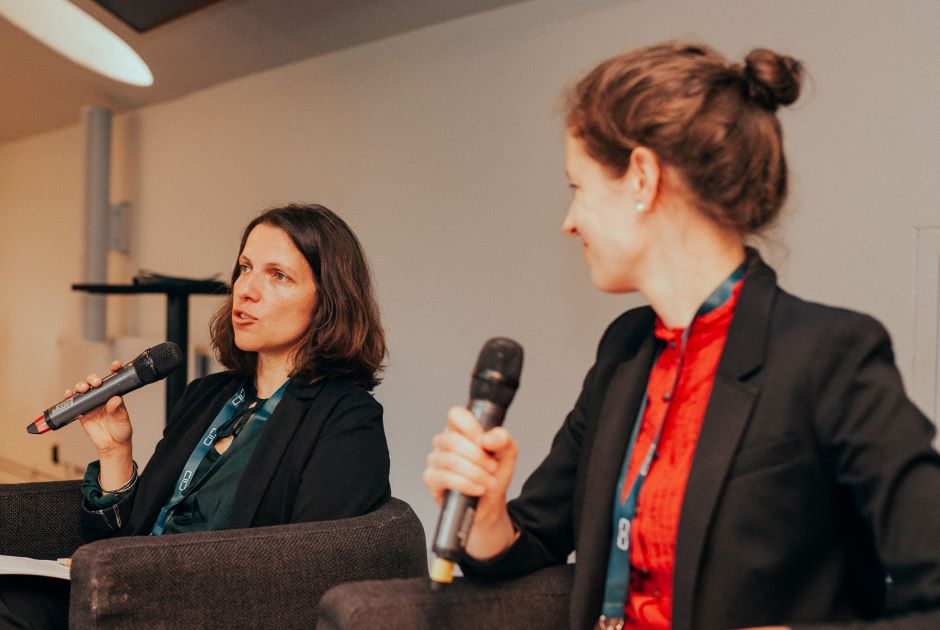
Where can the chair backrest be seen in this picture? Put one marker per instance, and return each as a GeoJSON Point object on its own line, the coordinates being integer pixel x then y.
{"type": "Point", "coordinates": [40, 520]}
{"type": "Point", "coordinates": [387, 543]}
{"type": "Point", "coordinates": [538, 600]}
{"type": "Point", "coordinates": [242, 578]}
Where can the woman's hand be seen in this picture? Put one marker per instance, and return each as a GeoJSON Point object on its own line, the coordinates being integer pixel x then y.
{"type": "Point", "coordinates": [109, 429]}
{"type": "Point", "coordinates": [477, 464]}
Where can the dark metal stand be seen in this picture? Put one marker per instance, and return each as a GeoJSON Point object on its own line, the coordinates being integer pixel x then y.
{"type": "Point", "coordinates": [177, 318]}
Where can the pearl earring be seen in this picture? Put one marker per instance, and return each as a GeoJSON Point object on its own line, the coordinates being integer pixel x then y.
{"type": "Point", "coordinates": [640, 207]}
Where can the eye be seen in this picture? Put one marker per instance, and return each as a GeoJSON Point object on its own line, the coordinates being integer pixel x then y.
{"type": "Point", "coordinates": [280, 276]}
{"type": "Point", "coordinates": [243, 268]}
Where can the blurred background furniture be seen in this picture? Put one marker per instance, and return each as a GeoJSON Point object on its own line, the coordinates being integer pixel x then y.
{"type": "Point", "coordinates": [538, 600]}
{"type": "Point", "coordinates": [243, 578]}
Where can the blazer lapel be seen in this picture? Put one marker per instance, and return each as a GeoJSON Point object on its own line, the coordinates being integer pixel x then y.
{"type": "Point", "coordinates": [618, 413]}
{"type": "Point", "coordinates": [724, 424]}
{"type": "Point", "coordinates": [166, 464]}
{"type": "Point", "coordinates": [272, 445]}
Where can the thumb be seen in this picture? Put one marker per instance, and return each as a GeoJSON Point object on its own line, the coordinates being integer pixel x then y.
{"type": "Point", "coordinates": [114, 405]}
{"type": "Point", "coordinates": [497, 441]}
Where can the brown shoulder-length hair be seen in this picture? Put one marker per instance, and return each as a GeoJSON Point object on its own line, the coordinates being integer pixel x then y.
{"type": "Point", "coordinates": [345, 338]}
{"type": "Point", "coordinates": [713, 120]}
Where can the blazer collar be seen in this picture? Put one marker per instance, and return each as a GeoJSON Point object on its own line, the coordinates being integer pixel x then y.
{"type": "Point", "coordinates": [746, 346]}
{"type": "Point", "coordinates": [305, 391]}
{"type": "Point", "coordinates": [726, 419]}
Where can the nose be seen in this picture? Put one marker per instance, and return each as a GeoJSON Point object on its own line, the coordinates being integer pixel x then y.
{"type": "Point", "coordinates": [567, 225]}
{"type": "Point", "coordinates": [246, 288]}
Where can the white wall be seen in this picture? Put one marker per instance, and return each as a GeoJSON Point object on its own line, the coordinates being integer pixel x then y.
{"type": "Point", "coordinates": [442, 148]}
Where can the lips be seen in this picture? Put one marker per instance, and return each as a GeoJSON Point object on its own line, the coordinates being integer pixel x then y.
{"type": "Point", "coordinates": [241, 317]}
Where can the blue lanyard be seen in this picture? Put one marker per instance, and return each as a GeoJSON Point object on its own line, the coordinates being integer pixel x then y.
{"type": "Point", "coordinates": [616, 589]}
{"type": "Point", "coordinates": [231, 409]}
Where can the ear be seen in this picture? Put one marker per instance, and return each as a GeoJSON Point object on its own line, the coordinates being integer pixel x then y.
{"type": "Point", "coordinates": [643, 176]}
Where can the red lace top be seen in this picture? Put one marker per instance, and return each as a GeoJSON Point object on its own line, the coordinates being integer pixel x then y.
{"type": "Point", "coordinates": [653, 531]}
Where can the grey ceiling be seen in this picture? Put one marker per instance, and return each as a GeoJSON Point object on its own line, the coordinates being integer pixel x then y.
{"type": "Point", "coordinates": [40, 90]}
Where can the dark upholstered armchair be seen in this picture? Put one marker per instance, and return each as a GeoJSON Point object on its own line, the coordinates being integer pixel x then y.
{"type": "Point", "coordinates": [243, 578]}
{"type": "Point", "coordinates": [539, 600]}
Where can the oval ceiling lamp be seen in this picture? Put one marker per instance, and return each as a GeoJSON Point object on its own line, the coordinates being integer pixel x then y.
{"type": "Point", "coordinates": [70, 31]}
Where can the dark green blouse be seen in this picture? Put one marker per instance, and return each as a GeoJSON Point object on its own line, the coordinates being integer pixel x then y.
{"type": "Point", "coordinates": [209, 505]}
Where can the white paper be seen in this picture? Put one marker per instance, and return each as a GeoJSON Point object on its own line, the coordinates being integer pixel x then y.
{"type": "Point", "coordinates": [18, 565]}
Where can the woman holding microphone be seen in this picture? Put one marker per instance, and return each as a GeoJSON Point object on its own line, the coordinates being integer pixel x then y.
{"type": "Point", "coordinates": [271, 440]}
{"type": "Point", "coordinates": [737, 457]}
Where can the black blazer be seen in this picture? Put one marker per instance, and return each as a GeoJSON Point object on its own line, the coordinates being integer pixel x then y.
{"type": "Point", "coordinates": [322, 455]}
{"type": "Point", "coordinates": [813, 479]}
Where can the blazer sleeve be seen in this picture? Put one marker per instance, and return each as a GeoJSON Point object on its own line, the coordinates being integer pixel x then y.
{"type": "Point", "coordinates": [347, 472]}
{"type": "Point", "coordinates": [879, 445]}
{"type": "Point", "coordinates": [543, 513]}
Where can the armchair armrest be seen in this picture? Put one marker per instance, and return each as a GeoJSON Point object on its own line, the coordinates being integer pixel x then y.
{"type": "Point", "coordinates": [242, 578]}
{"type": "Point", "coordinates": [40, 520]}
{"type": "Point", "coordinates": [537, 600]}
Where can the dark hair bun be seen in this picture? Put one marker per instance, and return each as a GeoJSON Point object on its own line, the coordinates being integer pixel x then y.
{"type": "Point", "coordinates": [772, 79]}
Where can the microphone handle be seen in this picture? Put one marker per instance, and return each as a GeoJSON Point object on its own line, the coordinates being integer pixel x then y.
{"type": "Point", "coordinates": [453, 525]}
{"type": "Point", "coordinates": [118, 383]}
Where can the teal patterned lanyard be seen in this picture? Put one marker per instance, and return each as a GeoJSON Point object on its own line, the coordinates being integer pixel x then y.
{"type": "Point", "coordinates": [616, 589]}
{"type": "Point", "coordinates": [231, 409]}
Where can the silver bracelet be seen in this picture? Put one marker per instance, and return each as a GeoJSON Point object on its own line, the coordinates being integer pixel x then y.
{"type": "Point", "coordinates": [126, 487]}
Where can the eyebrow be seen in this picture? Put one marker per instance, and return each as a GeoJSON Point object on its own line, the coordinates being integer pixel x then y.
{"type": "Point", "coordinates": [280, 265]}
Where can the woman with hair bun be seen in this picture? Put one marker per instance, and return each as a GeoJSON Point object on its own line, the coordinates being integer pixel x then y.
{"type": "Point", "coordinates": [738, 457]}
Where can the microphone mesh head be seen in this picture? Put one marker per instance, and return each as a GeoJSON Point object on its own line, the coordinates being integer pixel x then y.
{"type": "Point", "coordinates": [496, 375]}
{"type": "Point", "coordinates": [157, 362]}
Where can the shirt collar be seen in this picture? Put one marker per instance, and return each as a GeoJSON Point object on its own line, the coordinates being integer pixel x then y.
{"type": "Point", "coordinates": [715, 318]}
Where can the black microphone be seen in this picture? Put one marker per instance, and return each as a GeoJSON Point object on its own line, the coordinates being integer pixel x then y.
{"type": "Point", "coordinates": [494, 383]}
{"type": "Point", "coordinates": [150, 366]}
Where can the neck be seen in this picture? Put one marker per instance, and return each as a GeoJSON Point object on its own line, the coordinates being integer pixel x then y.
{"type": "Point", "coordinates": [270, 374]}
{"type": "Point", "coordinates": [690, 264]}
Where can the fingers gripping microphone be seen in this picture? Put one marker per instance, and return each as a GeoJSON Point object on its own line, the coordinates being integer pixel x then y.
{"type": "Point", "coordinates": [150, 366]}
{"type": "Point", "coordinates": [494, 383]}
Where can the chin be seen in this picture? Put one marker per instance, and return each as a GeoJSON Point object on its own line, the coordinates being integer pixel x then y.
{"type": "Point", "coordinates": [245, 345]}
{"type": "Point", "coordinates": [609, 284]}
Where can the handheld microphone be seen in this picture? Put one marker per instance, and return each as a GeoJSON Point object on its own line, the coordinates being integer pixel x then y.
{"type": "Point", "coordinates": [494, 383]}
{"type": "Point", "coordinates": [150, 366]}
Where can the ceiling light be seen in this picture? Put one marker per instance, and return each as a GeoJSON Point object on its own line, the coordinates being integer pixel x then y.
{"type": "Point", "coordinates": [67, 29]}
